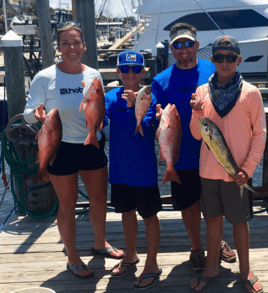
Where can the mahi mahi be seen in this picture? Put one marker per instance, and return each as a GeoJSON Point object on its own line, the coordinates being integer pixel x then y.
{"type": "Point", "coordinates": [217, 144]}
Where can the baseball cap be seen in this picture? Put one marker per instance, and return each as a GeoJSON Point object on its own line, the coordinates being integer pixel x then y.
{"type": "Point", "coordinates": [130, 57]}
{"type": "Point", "coordinates": [218, 46]}
{"type": "Point", "coordinates": [182, 33]}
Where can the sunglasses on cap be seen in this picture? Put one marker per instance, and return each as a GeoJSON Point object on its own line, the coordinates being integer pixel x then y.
{"type": "Point", "coordinates": [187, 44]}
{"type": "Point", "coordinates": [126, 68]}
{"type": "Point", "coordinates": [230, 58]}
{"type": "Point", "coordinates": [60, 25]}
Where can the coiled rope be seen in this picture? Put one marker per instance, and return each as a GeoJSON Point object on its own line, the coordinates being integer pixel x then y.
{"type": "Point", "coordinates": [17, 168]}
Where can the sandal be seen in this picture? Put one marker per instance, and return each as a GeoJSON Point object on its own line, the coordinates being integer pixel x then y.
{"type": "Point", "coordinates": [82, 267]}
{"type": "Point", "coordinates": [105, 252]}
{"type": "Point", "coordinates": [251, 282]}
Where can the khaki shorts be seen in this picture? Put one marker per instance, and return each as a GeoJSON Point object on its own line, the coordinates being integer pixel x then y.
{"type": "Point", "coordinates": [223, 198]}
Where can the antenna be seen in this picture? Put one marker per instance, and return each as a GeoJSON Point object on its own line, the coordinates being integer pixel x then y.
{"type": "Point", "coordinates": [196, 1]}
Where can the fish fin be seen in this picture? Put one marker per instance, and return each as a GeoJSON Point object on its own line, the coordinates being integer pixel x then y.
{"type": "Point", "coordinates": [100, 127]}
{"type": "Point", "coordinates": [37, 159]}
{"type": "Point", "coordinates": [81, 106]}
{"type": "Point", "coordinates": [37, 134]}
{"type": "Point", "coordinates": [160, 156]}
{"type": "Point", "coordinates": [171, 175]}
{"type": "Point", "coordinates": [139, 129]}
{"type": "Point", "coordinates": [157, 133]}
{"type": "Point", "coordinates": [92, 139]}
{"type": "Point", "coordinates": [251, 189]}
{"type": "Point", "coordinates": [52, 160]}
{"type": "Point", "coordinates": [207, 146]}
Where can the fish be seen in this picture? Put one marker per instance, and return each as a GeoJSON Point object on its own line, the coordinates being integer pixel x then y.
{"type": "Point", "coordinates": [49, 138]}
{"type": "Point", "coordinates": [217, 144]}
{"type": "Point", "coordinates": [169, 137]}
{"type": "Point", "coordinates": [142, 105]}
{"type": "Point", "coordinates": [93, 106]}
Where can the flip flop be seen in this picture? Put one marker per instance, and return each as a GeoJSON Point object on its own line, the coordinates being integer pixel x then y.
{"type": "Point", "coordinates": [146, 276]}
{"type": "Point", "coordinates": [251, 282]}
{"type": "Point", "coordinates": [200, 279]}
{"type": "Point", "coordinates": [123, 264]}
{"type": "Point", "coordinates": [105, 252]}
{"type": "Point", "coordinates": [82, 267]}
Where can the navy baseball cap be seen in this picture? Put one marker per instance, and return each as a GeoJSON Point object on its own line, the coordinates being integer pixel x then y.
{"type": "Point", "coordinates": [233, 44]}
{"type": "Point", "coordinates": [130, 57]}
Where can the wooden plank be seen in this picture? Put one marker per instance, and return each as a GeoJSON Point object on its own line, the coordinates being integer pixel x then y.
{"type": "Point", "coordinates": [37, 258]}
{"type": "Point", "coordinates": [119, 43]}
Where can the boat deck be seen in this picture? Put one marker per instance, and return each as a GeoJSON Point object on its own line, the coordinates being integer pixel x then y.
{"type": "Point", "coordinates": [32, 255]}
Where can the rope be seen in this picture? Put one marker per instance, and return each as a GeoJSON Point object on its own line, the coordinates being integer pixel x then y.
{"type": "Point", "coordinates": [18, 168]}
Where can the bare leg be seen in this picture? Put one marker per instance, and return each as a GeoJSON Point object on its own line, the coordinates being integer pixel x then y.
{"type": "Point", "coordinates": [192, 221]}
{"type": "Point", "coordinates": [153, 238]}
{"type": "Point", "coordinates": [66, 188]}
{"type": "Point", "coordinates": [214, 236]}
{"type": "Point", "coordinates": [241, 237]}
{"type": "Point", "coordinates": [130, 226]}
{"type": "Point", "coordinates": [95, 182]}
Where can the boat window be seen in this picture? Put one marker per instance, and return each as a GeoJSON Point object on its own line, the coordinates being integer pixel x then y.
{"type": "Point", "coordinates": [231, 19]}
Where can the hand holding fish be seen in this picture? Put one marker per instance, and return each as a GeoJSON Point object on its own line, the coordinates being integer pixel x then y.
{"type": "Point", "coordinates": [130, 97]}
{"type": "Point", "coordinates": [241, 177]}
{"type": "Point", "coordinates": [159, 112]}
{"type": "Point", "coordinates": [39, 113]}
{"type": "Point", "coordinates": [196, 103]}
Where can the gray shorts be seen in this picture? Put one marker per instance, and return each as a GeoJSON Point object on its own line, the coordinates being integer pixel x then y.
{"type": "Point", "coordinates": [223, 198]}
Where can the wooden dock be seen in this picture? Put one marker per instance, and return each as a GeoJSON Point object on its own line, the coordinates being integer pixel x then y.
{"type": "Point", "coordinates": [32, 255]}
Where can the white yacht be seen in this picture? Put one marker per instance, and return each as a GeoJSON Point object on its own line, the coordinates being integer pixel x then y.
{"type": "Point", "coordinates": [246, 20]}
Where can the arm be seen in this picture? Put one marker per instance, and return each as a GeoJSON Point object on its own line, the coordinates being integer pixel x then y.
{"type": "Point", "coordinates": [34, 111]}
{"type": "Point", "coordinates": [197, 105]}
{"type": "Point", "coordinates": [258, 122]}
{"type": "Point", "coordinates": [160, 99]}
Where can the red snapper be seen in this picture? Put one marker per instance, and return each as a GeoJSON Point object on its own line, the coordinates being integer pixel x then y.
{"type": "Point", "coordinates": [93, 106]}
{"type": "Point", "coordinates": [169, 138]}
{"type": "Point", "coordinates": [49, 138]}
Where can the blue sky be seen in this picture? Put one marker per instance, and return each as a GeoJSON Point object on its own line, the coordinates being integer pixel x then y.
{"type": "Point", "coordinates": [112, 7]}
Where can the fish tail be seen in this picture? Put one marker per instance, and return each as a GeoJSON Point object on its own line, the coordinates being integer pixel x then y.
{"type": "Point", "coordinates": [251, 189]}
{"type": "Point", "coordinates": [171, 175]}
{"type": "Point", "coordinates": [139, 129]}
{"type": "Point", "coordinates": [92, 139]}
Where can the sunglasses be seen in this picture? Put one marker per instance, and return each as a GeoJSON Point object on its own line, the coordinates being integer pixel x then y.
{"type": "Point", "coordinates": [136, 69]}
{"type": "Point", "coordinates": [187, 44]}
{"type": "Point", "coordinates": [230, 58]}
{"type": "Point", "coordinates": [71, 23]}
{"type": "Point", "coordinates": [61, 25]}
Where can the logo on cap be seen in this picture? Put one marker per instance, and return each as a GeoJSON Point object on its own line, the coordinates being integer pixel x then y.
{"type": "Point", "coordinates": [131, 57]}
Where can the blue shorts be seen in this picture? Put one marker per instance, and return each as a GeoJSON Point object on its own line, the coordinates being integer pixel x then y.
{"type": "Point", "coordinates": [126, 198]}
{"type": "Point", "coordinates": [72, 157]}
{"type": "Point", "coordinates": [187, 193]}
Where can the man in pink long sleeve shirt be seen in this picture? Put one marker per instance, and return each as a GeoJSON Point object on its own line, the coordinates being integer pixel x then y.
{"type": "Point", "coordinates": [236, 108]}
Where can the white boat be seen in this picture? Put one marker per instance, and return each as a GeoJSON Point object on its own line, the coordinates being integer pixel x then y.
{"type": "Point", "coordinates": [246, 20]}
